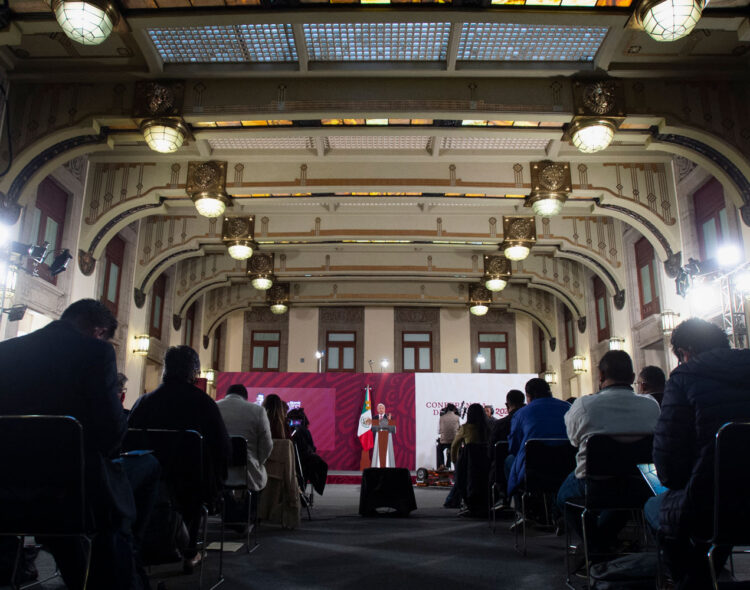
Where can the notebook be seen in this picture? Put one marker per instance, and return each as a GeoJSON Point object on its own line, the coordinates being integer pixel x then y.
{"type": "Point", "coordinates": [648, 471]}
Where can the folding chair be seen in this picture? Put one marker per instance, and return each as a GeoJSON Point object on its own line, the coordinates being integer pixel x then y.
{"type": "Point", "coordinates": [498, 487]}
{"type": "Point", "coordinates": [731, 492]}
{"type": "Point", "coordinates": [237, 481]}
{"type": "Point", "coordinates": [180, 453]}
{"type": "Point", "coordinates": [472, 477]}
{"type": "Point", "coordinates": [548, 463]}
{"type": "Point", "coordinates": [42, 492]}
{"type": "Point", "coordinates": [613, 482]}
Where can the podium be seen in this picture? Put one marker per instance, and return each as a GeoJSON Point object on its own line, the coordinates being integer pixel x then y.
{"type": "Point", "coordinates": [382, 454]}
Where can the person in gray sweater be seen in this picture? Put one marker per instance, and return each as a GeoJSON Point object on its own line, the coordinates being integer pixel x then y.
{"type": "Point", "coordinates": [249, 421]}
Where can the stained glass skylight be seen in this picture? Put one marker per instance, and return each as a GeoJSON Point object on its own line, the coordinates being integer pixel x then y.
{"type": "Point", "coordinates": [262, 143]}
{"type": "Point", "coordinates": [377, 142]}
{"type": "Point", "coordinates": [377, 41]}
{"type": "Point", "coordinates": [263, 43]}
{"type": "Point", "coordinates": [516, 42]}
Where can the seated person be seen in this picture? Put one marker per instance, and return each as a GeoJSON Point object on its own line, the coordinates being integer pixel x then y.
{"type": "Point", "coordinates": [447, 429]}
{"type": "Point", "coordinates": [473, 431]}
{"type": "Point", "coordinates": [615, 409]}
{"type": "Point", "coordinates": [542, 417]}
{"type": "Point", "coordinates": [500, 431]}
{"type": "Point", "coordinates": [276, 411]}
{"type": "Point", "coordinates": [314, 468]}
{"type": "Point", "coordinates": [710, 387]}
{"type": "Point", "coordinates": [78, 377]}
{"type": "Point", "coordinates": [177, 404]}
{"type": "Point", "coordinates": [651, 381]}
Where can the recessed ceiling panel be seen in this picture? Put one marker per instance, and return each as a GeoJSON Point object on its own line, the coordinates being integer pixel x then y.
{"type": "Point", "coordinates": [262, 143]}
{"type": "Point", "coordinates": [263, 43]}
{"type": "Point", "coordinates": [377, 41]}
{"type": "Point", "coordinates": [515, 42]}
{"type": "Point", "coordinates": [377, 142]}
{"type": "Point", "coordinates": [493, 143]}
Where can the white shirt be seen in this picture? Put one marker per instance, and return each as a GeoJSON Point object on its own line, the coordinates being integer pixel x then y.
{"type": "Point", "coordinates": [614, 410]}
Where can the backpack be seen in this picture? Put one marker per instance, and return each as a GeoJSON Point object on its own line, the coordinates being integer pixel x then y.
{"type": "Point", "coordinates": [636, 571]}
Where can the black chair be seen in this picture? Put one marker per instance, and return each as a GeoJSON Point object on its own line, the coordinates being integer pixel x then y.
{"type": "Point", "coordinates": [472, 477]}
{"type": "Point", "coordinates": [548, 463]}
{"type": "Point", "coordinates": [42, 492]}
{"type": "Point", "coordinates": [731, 493]}
{"type": "Point", "coordinates": [498, 486]}
{"type": "Point", "coordinates": [613, 482]}
{"type": "Point", "coordinates": [306, 492]}
{"type": "Point", "coordinates": [180, 453]}
{"type": "Point", "coordinates": [237, 483]}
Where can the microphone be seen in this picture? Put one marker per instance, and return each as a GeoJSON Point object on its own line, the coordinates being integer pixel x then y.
{"type": "Point", "coordinates": [371, 369]}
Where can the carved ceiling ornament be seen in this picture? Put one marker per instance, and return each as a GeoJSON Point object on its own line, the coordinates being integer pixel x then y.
{"type": "Point", "coordinates": [479, 294]}
{"type": "Point", "coordinates": [158, 98]}
{"type": "Point", "coordinates": [176, 322]}
{"type": "Point", "coordinates": [86, 263]}
{"type": "Point", "coordinates": [415, 315]}
{"type": "Point", "coordinates": [519, 228]}
{"type": "Point", "coordinates": [351, 316]}
{"type": "Point", "coordinates": [496, 266]}
{"type": "Point", "coordinates": [582, 324]}
{"type": "Point", "coordinates": [238, 227]}
{"type": "Point", "coordinates": [278, 293]}
{"type": "Point", "coordinates": [619, 299]}
{"type": "Point", "coordinates": [552, 176]}
{"type": "Point", "coordinates": [599, 97]}
{"type": "Point", "coordinates": [260, 263]}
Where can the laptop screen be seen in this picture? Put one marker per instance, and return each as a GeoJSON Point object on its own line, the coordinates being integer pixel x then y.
{"type": "Point", "coordinates": [648, 471]}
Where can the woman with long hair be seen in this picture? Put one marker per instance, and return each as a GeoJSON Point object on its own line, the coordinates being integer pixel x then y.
{"type": "Point", "coordinates": [473, 431]}
{"type": "Point", "coordinates": [276, 411]}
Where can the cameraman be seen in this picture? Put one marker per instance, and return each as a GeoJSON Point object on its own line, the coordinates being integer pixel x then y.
{"type": "Point", "coordinates": [447, 428]}
{"type": "Point", "coordinates": [314, 469]}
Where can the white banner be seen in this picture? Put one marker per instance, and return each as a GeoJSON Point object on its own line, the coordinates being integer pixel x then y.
{"type": "Point", "coordinates": [434, 390]}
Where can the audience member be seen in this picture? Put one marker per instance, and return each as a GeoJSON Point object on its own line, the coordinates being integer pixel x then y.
{"type": "Point", "coordinates": [69, 368]}
{"type": "Point", "coordinates": [651, 381]}
{"type": "Point", "coordinates": [251, 422]}
{"type": "Point", "coordinates": [473, 431]}
{"type": "Point", "coordinates": [542, 417]}
{"type": "Point", "coordinates": [447, 429]}
{"type": "Point", "coordinates": [314, 469]}
{"type": "Point", "coordinates": [122, 388]}
{"type": "Point", "coordinates": [276, 412]}
{"type": "Point", "coordinates": [571, 400]}
{"type": "Point", "coordinates": [709, 388]}
{"type": "Point", "coordinates": [177, 404]}
{"type": "Point", "coordinates": [500, 431]}
{"type": "Point", "coordinates": [615, 409]}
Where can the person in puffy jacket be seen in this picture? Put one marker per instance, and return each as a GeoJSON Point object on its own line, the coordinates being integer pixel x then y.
{"type": "Point", "coordinates": [710, 387]}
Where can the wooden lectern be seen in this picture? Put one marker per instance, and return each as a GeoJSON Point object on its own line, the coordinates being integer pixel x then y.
{"type": "Point", "coordinates": [382, 455]}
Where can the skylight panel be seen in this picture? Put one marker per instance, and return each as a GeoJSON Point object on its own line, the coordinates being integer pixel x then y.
{"type": "Point", "coordinates": [262, 43]}
{"type": "Point", "coordinates": [516, 42]}
{"type": "Point", "coordinates": [262, 143]}
{"type": "Point", "coordinates": [377, 41]}
{"type": "Point", "coordinates": [377, 142]}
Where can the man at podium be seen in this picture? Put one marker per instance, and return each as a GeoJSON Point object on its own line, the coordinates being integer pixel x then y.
{"type": "Point", "coordinates": [384, 427]}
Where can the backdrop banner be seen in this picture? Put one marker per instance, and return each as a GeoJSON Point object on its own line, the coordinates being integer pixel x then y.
{"type": "Point", "coordinates": [434, 390]}
{"type": "Point", "coordinates": [333, 403]}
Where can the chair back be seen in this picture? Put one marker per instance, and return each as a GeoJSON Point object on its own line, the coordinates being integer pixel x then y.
{"type": "Point", "coordinates": [237, 468]}
{"type": "Point", "coordinates": [732, 485]}
{"type": "Point", "coordinates": [500, 451]}
{"type": "Point", "coordinates": [612, 475]}
{"type": "Point", "coordinates": [42, 490]}
{"type": "Point", "coordinates": [180, 453]}
{"type": "Point", "coordinates": [548, 463]}
{"type": "Point", "coordinates": [472, 476]}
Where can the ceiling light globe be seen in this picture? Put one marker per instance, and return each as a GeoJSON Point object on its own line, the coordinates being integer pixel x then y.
{"type": "Point", "coordinates": [87, 23]}
{"type": "Point", "coordinates": [262, 283]}
{"type": "Point", "coordinates": [164, 135]}
{"type": "Point", "coordinates": [669, 20]}
{"type": "Point", "coordinates": [279, 308]}
{"type": "Point", "coordinates": [210, 206]}
{"type": "Point", "coordinates": [479, 309]}
{"type": "Point", "coordinates": [592, 137]}
{"type": "Point", "coordinates": [516, 252]}
{"type": "Point", "coordinates": [495, 285]}
{"type": "Point", "coordinates": [547, 207]}
{"type": "Point", "coordinates": [240, 251]}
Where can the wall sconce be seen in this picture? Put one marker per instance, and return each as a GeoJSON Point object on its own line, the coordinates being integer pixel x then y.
{"type": "Point", "coordinates": [616, 343]}
{"type": "Point", "coordinates": [260, 271]}
{"type": "Point", "coordinates": [278, 298]}
{"type": "Point", "coordinates": [579, 365]}
{"type": "Point", "coordinates": [668, 321]}
{"type": "Point", "coordinates": [237, 236]}
{"type": "Point", "coordinates": [479, 299]}
{"type": "Point", "coordinates": [550, 376]}
{"type": "Point", "coordinates": [550, 185]}
{"type": "Point", "coordinates": [209, 375]}
{"type": "Point", "coordinates": [206, 186]}
{"type": "Point", "coordinates": [497, 271]}
{"type": "Point", "coordinates": [519, 235]}
{"type": "Point", "coordinates": [140, 345]}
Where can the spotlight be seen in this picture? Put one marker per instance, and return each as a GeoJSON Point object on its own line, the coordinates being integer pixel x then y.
{"type": "Point", "coordinates": [319, 354]}
{"type": "Point", "coordinates": [16, 313]}
{"type": "Point", "coordinates": [728, 256]}
{"type": "Point", "coordinates": [38, 253]}
{"type": "Point", "coordinates": [384, 363]}
{"type": "Point", "coordinates": [60, 263]}
{"type": "Point", "coordinates": [89, 22]}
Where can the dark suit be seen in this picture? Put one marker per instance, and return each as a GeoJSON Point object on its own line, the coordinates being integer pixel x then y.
{"type": "Point", "coordinates": [59, 371]}
{"type": "Point", "coordinates": [182, 406]}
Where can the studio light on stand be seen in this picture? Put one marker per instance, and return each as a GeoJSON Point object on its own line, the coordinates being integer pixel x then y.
{"type": "Point", "coordinates": [480, 360]}
{"type": "Point", "coordinates": [384, 364]}
{"type": "Point", "coordinates": [320, 354]}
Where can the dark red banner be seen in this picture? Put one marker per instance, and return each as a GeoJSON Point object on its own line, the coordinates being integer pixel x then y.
{"type": "Point", "coordinates": [333, 404]}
